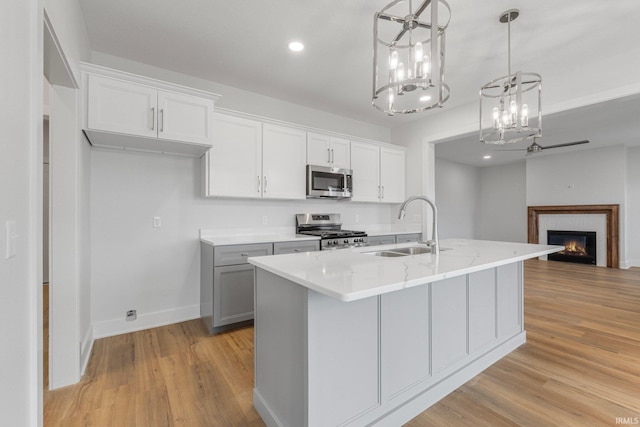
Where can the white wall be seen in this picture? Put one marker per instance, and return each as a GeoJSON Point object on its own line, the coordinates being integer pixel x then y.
{"type": "Point", "coordinates": [633, 206]}
{"type": "Point", "coordinates": [157, 270]}
{"type": "Point", "coordinates": [596, 176]}
{"type": "Point", "coordinates": [458, 196]}
{"type": "Point", "coordinates": [70, 302]}
{"type": "Point", "coordinates": [20, 192]}
{"type": "Point", "coordinates": [502, 212]}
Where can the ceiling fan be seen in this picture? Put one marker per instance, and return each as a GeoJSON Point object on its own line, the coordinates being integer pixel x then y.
{"type": "Point", "coordinates": [536, 148]}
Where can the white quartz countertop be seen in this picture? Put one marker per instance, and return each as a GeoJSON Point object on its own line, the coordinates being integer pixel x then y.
{"type": "Point", "coordinates": [240, 239]}
{"type": "Point", "coordinates": [351, 274]}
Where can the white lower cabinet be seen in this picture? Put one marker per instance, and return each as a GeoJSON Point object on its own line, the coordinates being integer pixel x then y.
{"type": "Point", "coordinates": [378, 173]}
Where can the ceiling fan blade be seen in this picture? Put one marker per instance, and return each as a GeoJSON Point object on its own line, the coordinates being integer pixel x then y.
{"type": "Point", "coordinates": [568, 144]}
{"type": "Point", "coordinates": [513, 149]}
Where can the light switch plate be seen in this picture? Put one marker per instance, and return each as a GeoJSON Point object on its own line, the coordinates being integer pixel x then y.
{"type": "Point", "coordinates": [11, 239]}
{"type": "Point", "coordinates": [157, 222]}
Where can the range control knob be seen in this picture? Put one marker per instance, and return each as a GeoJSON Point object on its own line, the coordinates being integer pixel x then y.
{"type": "Point", "coordinates": [346, 240]}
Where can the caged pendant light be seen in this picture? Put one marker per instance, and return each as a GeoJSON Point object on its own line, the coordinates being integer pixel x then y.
{"type": "Point", "coordinates": [408, 56]}
{"type": "Point", "coordinates": [510, 105]}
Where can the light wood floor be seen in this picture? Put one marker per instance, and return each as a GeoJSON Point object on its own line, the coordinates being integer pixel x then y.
{"type": "Point", "coordinates": [579, 367]}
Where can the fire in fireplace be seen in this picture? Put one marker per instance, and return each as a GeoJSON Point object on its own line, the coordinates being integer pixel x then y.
{"type": "Point", "coordinates": [579, 246]}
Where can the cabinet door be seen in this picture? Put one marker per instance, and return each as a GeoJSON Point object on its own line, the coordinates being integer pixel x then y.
{"type": "Point", "coordinates": [391, 175]}
{"type": "Point", "coordinates": [185, 118]}
{"type": "Point", "coordinates": [365, 163]}
{"type": "Point", "coordinates": [117, 106]}
{"type": "Point", "coordinates": [284, 157]}
{"type": "Point", "coordinates": [381, 240]}
{"type": "Point", "coordinates": [234, 164]}
{"type": "Point", "coordinates": [232, 294]}
{"type": "Point", "coordinates": [318, 149]}
{"type": "Point", "coordinates": [408, 238]}
{"type": "Point", "coordinates": [331, 151]}
{"type": "Point", "coordinates": [340, 153]}
{"type": "Point", "coordinates": [295, 247]}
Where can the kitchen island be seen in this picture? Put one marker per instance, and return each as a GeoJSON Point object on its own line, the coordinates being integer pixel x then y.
{"type": "Point", "coordinates": [351, 337]}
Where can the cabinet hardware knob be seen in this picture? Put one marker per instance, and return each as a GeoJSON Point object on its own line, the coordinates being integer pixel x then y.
{"type": "Point", "coordinates": [161, 120]}
{"type": "Point", "coordinates": [153, 118]}
{"type": "Point", "coordinates": [244, 254]}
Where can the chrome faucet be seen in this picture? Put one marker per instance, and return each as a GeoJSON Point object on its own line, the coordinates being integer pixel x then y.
{"type": "Point", "coordinates": [433, 243]}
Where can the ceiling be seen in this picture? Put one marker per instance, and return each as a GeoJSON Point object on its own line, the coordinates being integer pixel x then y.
{"type": "Point", "coordinates": [585, 50]}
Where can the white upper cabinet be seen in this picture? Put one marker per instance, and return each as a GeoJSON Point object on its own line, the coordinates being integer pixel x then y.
{"type": "Point", "coordinates": [185, 118]}
{"type": "Point", "coordinates": [365, 163]}
{"type": "Point", "coordinates": [118, 106]}
{"type": "Point", "coordinates": [131, 112]}
{"type": "Point", "coordinates": [284, 156]}
{"type": "Point", "coordinates": [392, 175]}
{"type": "Point", "coordinates": [252, 159]}
{"type": "Point", "coordinates": [326, 150]}
{"type": "Point", "coordinates": [233, 167]}
{"type": "Point", "coordinates": [378, 173]}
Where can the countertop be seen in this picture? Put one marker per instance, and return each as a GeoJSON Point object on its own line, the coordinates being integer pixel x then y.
{"type": "Point", "coordinates": [241, 236]}
{"type": "Point", "coordinates": [351, 274]}
{"type": "Point", "coordinates": [285, 234]}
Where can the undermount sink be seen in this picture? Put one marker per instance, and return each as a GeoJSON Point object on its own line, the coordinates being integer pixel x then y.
{"type": "Point", "coordinates": [390, 254]}
{"type": "Point", "coordinates": [411, 250]}
{"type": "Point", "coordinates": [414, 250]}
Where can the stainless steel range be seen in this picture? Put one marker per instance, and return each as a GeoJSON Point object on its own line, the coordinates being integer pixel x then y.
{"type": "Point", "coordinates": [329, 228]}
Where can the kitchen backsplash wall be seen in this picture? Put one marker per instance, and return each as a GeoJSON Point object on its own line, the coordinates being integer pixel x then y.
{"type": "Point", "coordinates": [156, 271]}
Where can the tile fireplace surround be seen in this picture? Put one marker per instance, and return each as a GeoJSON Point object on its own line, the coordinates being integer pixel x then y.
{"type": "Point", "coordinates": [612, 229]}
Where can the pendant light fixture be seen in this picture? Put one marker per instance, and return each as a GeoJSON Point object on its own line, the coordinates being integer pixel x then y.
{"type": "Point", "coordinates": [510, 105]}
{"type": "Point", "coordinates": [408, 56]}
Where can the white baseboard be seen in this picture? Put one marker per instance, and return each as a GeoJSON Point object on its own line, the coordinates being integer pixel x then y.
{"type": "Point", "coordinates": [630, 263]}
{"type": "Point", "coordinates": [108, 328]}
{"type": "Point", "coordinates": [85, 349]}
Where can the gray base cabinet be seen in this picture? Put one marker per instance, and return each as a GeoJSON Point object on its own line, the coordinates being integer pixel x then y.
{"type": "Point", "coordinates": [226, 284]}
{"type": "Point", "coordinates": [381, 240]}
{"type": "Point", "coordinates": [408, 238]}
{"type": "Point", "coordinates": [382, 360]}
{"type": "Point", "coordinates": [226, 280]}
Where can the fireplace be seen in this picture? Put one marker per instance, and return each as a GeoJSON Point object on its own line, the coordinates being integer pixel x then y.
{"type": "Point", "coordinates": [580, 246]}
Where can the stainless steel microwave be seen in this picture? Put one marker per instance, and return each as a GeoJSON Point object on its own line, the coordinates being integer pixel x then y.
{"type": "Point", "coordinates": [325, 182]}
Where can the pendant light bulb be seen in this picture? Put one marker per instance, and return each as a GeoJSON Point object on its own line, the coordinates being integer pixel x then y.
{"type": "Point", "coordinates": [393, 60]}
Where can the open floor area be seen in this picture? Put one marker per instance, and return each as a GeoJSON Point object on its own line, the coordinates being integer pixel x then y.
{"type": "Point", "coordinates": [580, 366]}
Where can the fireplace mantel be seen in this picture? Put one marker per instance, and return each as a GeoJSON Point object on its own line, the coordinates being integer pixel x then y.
{"type": "Point", "coordinates": [610, 211]}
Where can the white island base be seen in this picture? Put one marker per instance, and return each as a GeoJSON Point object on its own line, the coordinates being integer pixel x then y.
{"type": "Point", "coordinates": [383, 359]}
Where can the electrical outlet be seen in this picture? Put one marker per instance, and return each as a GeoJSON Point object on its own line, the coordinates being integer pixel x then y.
{"type": "Point", "coordinates": [157, 222]}
{"type": "Point", "coordinates": [131, 315]}
{"type": "Point", "coordinates": [265, 220]}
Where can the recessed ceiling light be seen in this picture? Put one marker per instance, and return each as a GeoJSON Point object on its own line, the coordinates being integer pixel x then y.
{"type": "Point", "coordinates": [296, 46]}
{"type": "Point", "coordinates": [425, 98]}
{"type": "Point", "coordinates": [487, 157]}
